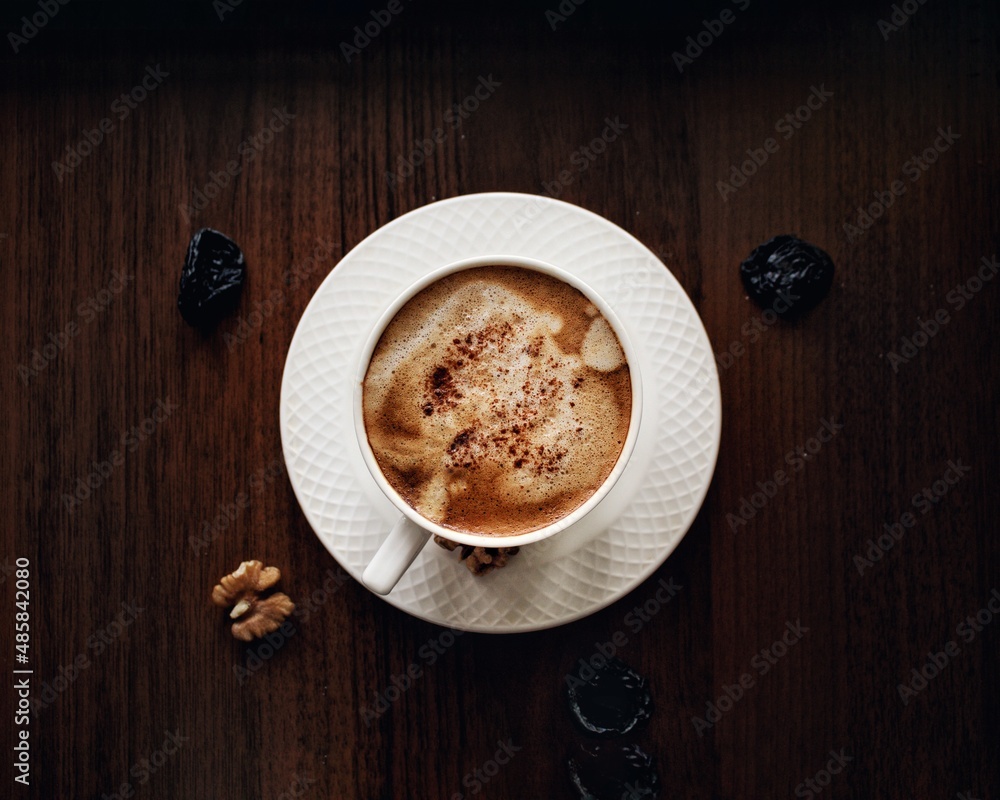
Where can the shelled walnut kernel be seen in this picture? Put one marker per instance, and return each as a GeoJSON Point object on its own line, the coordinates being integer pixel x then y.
{"type": "Point", "coordinates": [479, 560]}
{"type": "Point", "coordinates": [256, 616]}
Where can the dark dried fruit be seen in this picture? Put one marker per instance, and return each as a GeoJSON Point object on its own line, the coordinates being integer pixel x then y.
{"type": "Point", "coordinates": [212, 278]}
{"type": "Point", "coordinates": [613, 772]}
{"type": "Point", "coordinates": [787, 276]}
{"type": "Point", "coordinates": [612, 701]}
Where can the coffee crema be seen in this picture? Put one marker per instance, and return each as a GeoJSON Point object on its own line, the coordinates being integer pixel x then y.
{"type": "Point", "coordinates": [497, 400]}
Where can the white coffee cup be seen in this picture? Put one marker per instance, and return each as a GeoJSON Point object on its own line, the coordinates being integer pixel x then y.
{"type": "Point", "coordinates": [409, 535]}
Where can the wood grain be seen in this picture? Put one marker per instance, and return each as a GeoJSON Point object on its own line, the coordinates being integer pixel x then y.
{"type": "Point", "coordinates": [322, 179]}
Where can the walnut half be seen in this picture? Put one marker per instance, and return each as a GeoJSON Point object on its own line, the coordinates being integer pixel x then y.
{"type": "Point", "coordinates": [479, 560]}
{"type": "Point", "coordinates": [256, 616]}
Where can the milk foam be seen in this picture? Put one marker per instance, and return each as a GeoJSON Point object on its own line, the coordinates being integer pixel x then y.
{"type": "Point", "coordinates": [495, 403]}
{"type": "Point", "coordinates": [601, 349]}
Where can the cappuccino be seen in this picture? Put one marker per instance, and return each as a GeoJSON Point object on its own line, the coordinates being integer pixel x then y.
{"type": "Point", "coordinates": [497, 400]}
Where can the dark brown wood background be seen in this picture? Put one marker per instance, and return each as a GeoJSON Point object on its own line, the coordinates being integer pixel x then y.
{"type": "Point", "coordinates": [299, 714]}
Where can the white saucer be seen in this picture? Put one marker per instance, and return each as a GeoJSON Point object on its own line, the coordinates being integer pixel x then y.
{"type": "Point", "coordinates": [633, 530]}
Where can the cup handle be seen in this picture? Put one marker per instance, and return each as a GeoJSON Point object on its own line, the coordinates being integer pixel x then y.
{"type": "Point", "coordinates": [405, 541]}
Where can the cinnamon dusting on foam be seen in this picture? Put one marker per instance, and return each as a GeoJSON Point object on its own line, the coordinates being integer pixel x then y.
{"type": "Point", "coordinates": [497, 400]}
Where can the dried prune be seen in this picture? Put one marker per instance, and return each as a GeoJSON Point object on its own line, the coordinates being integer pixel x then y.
{"type": "Point", "coordinates": [612, 772]}
{"type": "Point", "coordinates": [787, 275]}
{"type": "Point", "coordinates": [612, 701]}
{"type": "Point", "coordinates": [212, 279]}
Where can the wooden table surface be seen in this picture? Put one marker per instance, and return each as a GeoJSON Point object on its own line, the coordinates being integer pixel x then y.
{"type": "Point", "coordinates": [133, 681]}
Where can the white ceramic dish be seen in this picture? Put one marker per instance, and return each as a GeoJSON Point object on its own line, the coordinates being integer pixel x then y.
{"type": "Point", "coordinates": [641, 520]}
